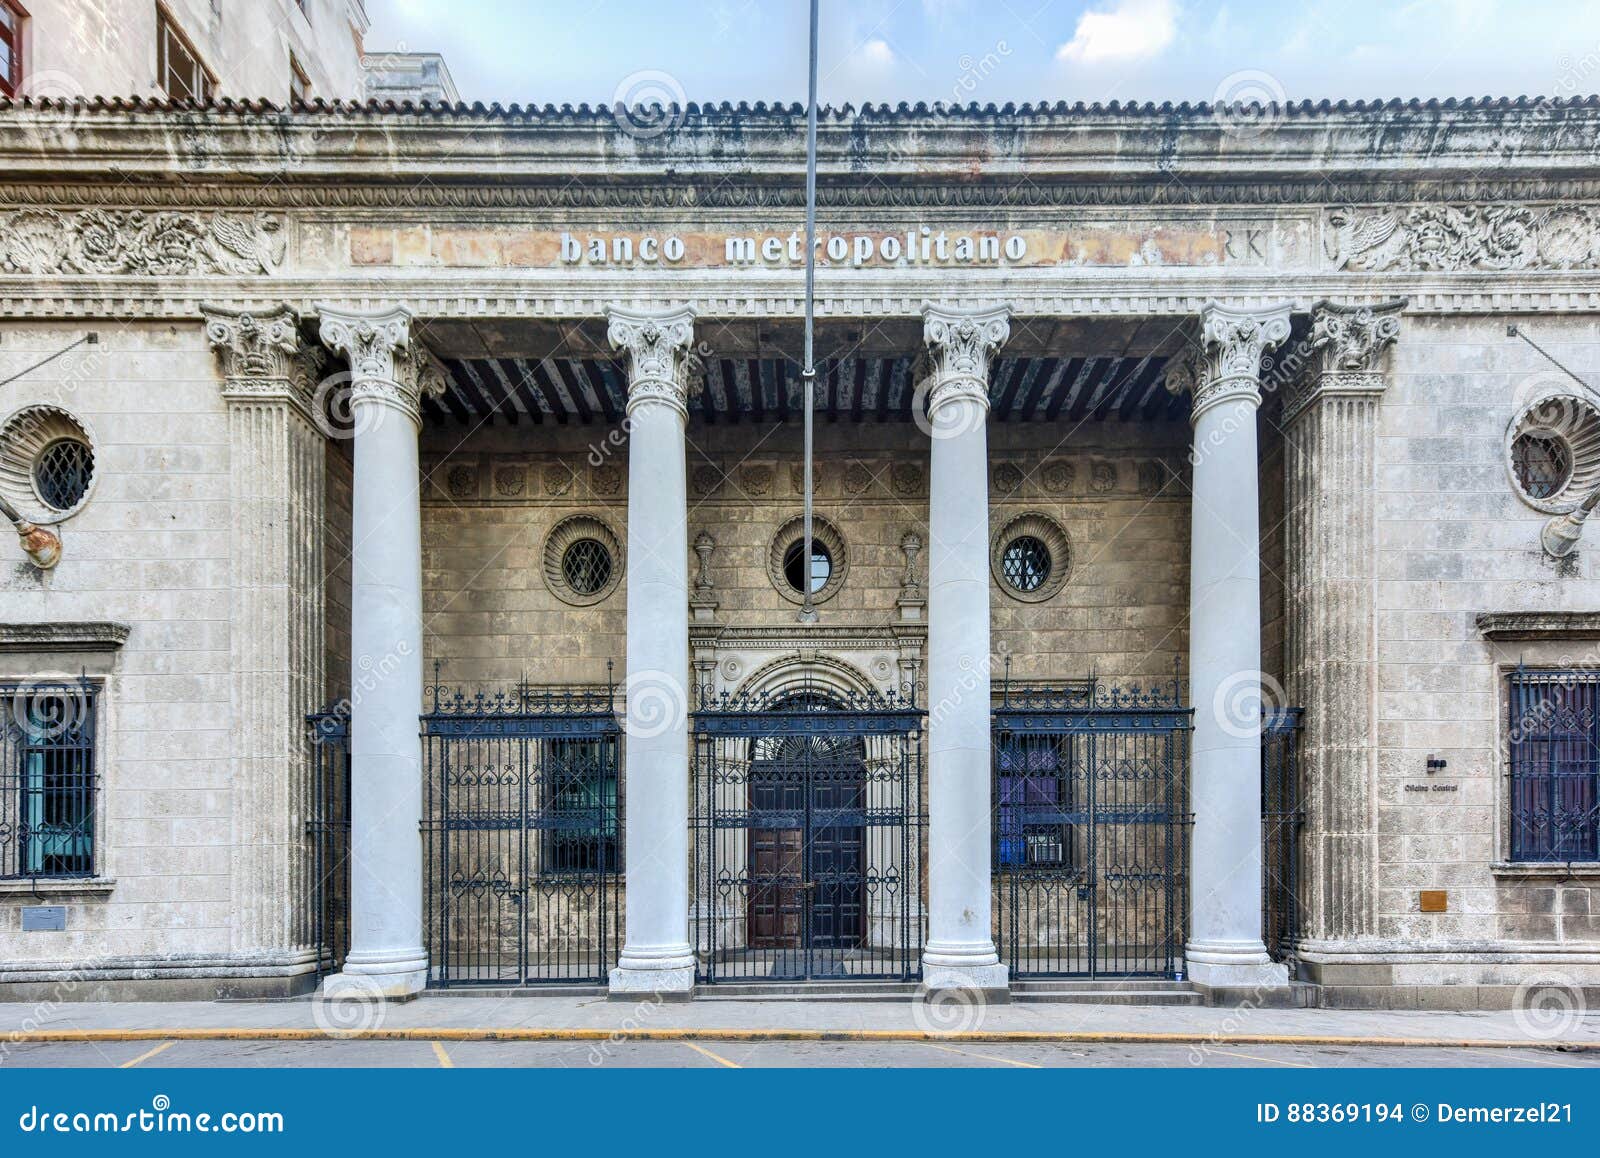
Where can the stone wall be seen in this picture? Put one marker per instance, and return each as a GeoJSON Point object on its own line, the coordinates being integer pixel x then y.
{"type": "Point", "coordinates": [492, 497]}
{"type": "Point", "coordinates": [149, 549]}
{"type": "Point", "coordinates": [1454, 541]}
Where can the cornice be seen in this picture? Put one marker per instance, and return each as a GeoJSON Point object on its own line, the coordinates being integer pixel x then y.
{"type": "Point", "coordinates": [1534, 625]}
{"type": "Point", "coordinates": [692, 192]}
{"type": "Point", "coordinates": [63, 636]}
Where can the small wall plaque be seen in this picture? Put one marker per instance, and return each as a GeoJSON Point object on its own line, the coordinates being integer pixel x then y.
{"type": "Point", "coordinates": [44, 918]}
{"type": "Point", "coordinates": [1434, 901]}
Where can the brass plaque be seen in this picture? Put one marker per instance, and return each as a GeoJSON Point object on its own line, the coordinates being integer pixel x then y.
{"type": "Point", "coordinates": [1434, 901]}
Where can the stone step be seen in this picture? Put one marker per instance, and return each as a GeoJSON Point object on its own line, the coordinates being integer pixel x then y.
{"type": "Point", "coordinates": [1108, 997]}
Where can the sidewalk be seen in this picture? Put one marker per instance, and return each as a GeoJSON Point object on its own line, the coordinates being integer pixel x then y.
{"type": "Point", "coordinates": [566, 1017]}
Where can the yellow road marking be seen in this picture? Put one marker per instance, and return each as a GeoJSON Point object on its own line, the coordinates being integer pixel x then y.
{"type": "Point", "coordinates": [444, 1059]}
{"type": "Point", "coordinates": [985, 1056]}
{"type": "Point", "coordinates": [147, 1055]}
{"type": "Point", "coordinates": [716, 1057]}
{"type": "Point", "coordinates": [697, 1033]}
{"type": "Point", "coordinates": [1276, 1061]}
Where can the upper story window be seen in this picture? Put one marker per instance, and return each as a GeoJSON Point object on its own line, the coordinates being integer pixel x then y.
{"type": "Point", "coordinates": [11, 18]}
{"type": "Point", "coordinates": [178, 65]}
{"type": "Point", "coordinates": [299, 82]}
{"type": "Point", "coordinates": [1555, 762]}
{"type": "Point", "coordinates": [48, 784]}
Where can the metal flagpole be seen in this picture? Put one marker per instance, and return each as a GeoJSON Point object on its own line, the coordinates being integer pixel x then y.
{"type": "Point", "coordinates": [808, 371]}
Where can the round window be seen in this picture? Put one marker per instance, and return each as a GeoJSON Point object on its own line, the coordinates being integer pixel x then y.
{"type": "Point", "coordinates": [47, 464]}
{"type": "Point", "coordinates": [1030, 557]}
{"type": "Point", "coordinates": [1542, 462]}
{"type": "Point", "coordinates": [583, 560]}
{"type": "Point", "coordinates": [1026, 563]}
{"type": "Point", "coordinates": [794, 568]}
{"type": "Point", "coordinates": [792, 575]}
{"type": "Point", "coordinates": [62, 472]}
{"type": "Point", "coordinates": [587, 566]}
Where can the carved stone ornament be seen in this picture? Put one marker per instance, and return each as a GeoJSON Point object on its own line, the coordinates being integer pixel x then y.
{"type": "Point", "coordinates": [105, 242]}
{"type": "Point", "coordinates": [257, 350]}
{"type": "Point", "coordinates": [960, 344]}
{"type": "Point", "coordinates": [1058, 476]}
{"type": "Point", "coordinates": [1233, 342]}
{"type": "Point", "coordinates": [659, 348]}
{"type": "Point", "coordinates": [706, 479]}
{"type": "Point", "coordinates": [606, 480]}
{"type": "Point", "coordinates": [756, 481]}
{"type": "Point", "coordinates": [1007, 477]}
{"type": "Point", "coordinates": [857, 478]}
{"type": "Point", "coordinates": [1448, 238]}
{"type": "Point", "coordinates": [385, 365]}
{"type": "Point", "coordinates": [905, 478]}
{"type": "Point", "coordinates": [1350, 339]}
{"type": "Point", "coordinates": [1346, 345]}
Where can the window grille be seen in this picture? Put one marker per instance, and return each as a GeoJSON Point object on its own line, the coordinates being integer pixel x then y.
{"type": "Point", "coordinates": [48, 783]}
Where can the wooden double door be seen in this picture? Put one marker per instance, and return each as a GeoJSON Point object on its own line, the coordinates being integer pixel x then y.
{"type": "Point", "coordinates": [808, 850]}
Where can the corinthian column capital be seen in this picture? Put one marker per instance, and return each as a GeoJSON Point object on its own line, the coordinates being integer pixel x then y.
{"type": "Point", "coordinates": [960, 345]}
{"type": "Point", "coordinates": [386, 365]}
{"type": "Point", "coordinates": [1232, 342]}
{"type": "Point", "coordinates": [258, 351]}
{"type": "Point", "coordinates": [661, 359]}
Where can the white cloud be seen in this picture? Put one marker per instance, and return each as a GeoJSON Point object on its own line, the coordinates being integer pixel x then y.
{"type": "Point", "coordinates": [877, 53]}
{"type": "Point", "coordinates": [1128, 30]}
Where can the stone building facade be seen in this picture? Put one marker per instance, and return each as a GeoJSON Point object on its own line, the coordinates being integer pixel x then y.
{"type": "Point", "coordinates": [1129, 421]}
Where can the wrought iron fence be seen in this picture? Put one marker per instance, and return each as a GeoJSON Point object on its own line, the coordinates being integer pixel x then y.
{"type": "Point", "coordinates": [1091, 830]}
{"type": "Point", "coordinates": [522, 835]}
{"type": "Point", "coordinates": [807, 824]}
{"type": "Point", "coordinates": [49, 785]}
{"type": "Point", "coordinates": [1554, 742]}
{"type": "Point", "coordinates": [326, 870]}
{"type": "Point", "coordinates": [1282, 819]}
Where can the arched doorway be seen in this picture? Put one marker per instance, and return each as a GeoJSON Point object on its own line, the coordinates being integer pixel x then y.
{"type": "Point", "coordinates": [807, 800]}
{"type": "Point", "coordinates": [808, 829]}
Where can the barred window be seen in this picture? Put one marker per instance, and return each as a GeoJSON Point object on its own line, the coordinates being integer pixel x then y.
{"type": "Point", "coordinates": [48, 785]}
{"type": "Point", "coordinates": [580, 778]}
{"type": "Point", "coordinates": [1555, 760]}
{"type": "Point", "coordinates": [1033, 803]}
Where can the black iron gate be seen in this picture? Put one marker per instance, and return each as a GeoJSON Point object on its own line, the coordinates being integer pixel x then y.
{"type": "Point", "coordinates": [522, 832]}
{"type": "Point", "coordinates": [326, 868]}
{"type": "Point", "coordinates": [1091, 830]}
{"type": "Point", "coordinates": [808, 834]}
{"type": "Point", "coordinates": [1282, 818]}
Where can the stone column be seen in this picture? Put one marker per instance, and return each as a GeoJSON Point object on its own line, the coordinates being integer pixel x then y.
{"type": "Point", "coordinates": [1330, 465]}
{"type": "Point", "coordinates": [960, 951]}
{"type": "Point", "coordinates": [656, 955]}
{"type": "Point", "coordinates": [276, 450]}
{"type": "Point", "coordinates": [389, 373]}
{"type": "Point", "coordinates": [1225, 947]}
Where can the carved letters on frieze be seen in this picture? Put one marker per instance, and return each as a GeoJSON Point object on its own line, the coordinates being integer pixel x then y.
{"type": "Point", "coordinates": [103, 242]}
{"type": "Point", "coordinates": [1456, 238]}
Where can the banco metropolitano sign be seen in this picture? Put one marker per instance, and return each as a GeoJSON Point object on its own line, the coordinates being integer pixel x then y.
{"type": "Point", "coordinates": [922, 245]}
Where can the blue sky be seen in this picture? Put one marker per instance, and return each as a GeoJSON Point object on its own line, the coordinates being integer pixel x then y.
{"type": "Point", "coordinates": [999, 50]}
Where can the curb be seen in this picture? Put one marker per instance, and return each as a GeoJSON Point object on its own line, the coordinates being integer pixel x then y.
{"type": "Point", "coordinates": [445, 1033]}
